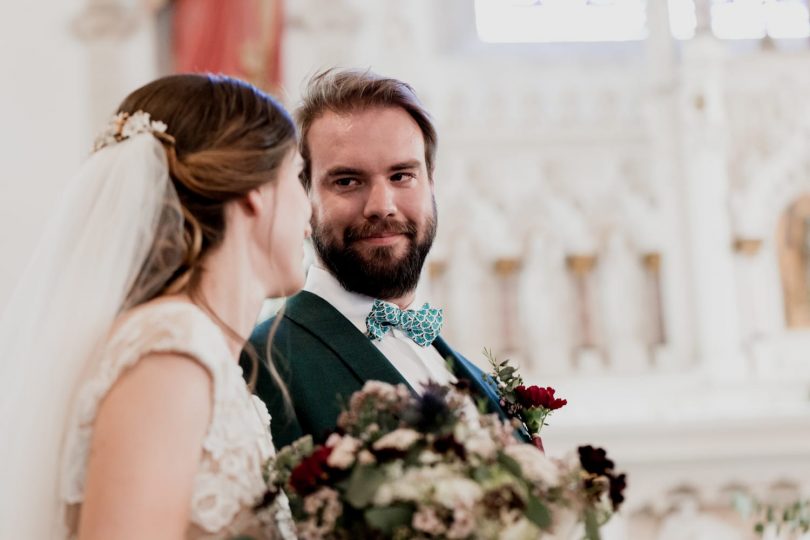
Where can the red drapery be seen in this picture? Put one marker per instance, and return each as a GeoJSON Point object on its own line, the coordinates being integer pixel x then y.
{"type": "Point", "coordinates": [241, 38]}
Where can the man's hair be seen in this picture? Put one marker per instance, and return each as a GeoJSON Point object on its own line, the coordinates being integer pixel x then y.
{"type": "Point", "coordinates": [349, 90]}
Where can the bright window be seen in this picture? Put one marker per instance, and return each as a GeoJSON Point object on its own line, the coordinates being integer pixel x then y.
{"type": "Point", "coordinates": [753, 19]}
{"type": "Point", "coordinates": [682, 18]}
{"type": "Point", "coordinates": [555, 21]}
{"type": "Point", "coordinates": [545, 21]}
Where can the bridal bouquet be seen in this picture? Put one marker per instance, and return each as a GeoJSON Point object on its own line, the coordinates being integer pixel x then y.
{"type": "Point", "coordinates": [404, 466]}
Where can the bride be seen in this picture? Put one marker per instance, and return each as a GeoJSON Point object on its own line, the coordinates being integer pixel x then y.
{"type": "Point", "coordinates": [124, 410]}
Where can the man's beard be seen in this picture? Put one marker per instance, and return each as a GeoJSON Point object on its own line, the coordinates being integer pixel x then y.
{"type": "Point", "coordinates": [376, 272]}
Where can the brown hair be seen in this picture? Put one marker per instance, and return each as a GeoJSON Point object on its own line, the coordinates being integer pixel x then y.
{"type": "Point", "coordinates": [225, 139]}
{"type": "Point", "coordinates": [229, 139]}
{"type": "Point", "coordinates": [347, 90]}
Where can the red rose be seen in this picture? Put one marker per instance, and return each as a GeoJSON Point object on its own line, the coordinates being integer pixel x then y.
{"type": "Point", "coordinates": [307, 475]}
{"type": "Point", "coordinates": [535, 396]}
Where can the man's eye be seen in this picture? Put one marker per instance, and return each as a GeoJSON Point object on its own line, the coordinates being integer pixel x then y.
{"type": "Point", "coordinates": [399, 177]}
{"type": "Point", "coordinates": [345, 182]}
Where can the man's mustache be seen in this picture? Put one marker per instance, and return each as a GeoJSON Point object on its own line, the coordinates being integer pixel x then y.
{"type": "Point", "coordinates": [367, 229]}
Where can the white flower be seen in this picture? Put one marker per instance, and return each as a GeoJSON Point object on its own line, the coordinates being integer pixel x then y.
{"type": "Point", "coordinates": [411, 484]}
{"type": "Point", "coordinates": [426, 520]}
{"type": "Point", "coordinates": [399, 439]}
{"type": "Point", "coordinates": [380, 389]}
{"type": "Point", "coordinates": [480, 442]}
{"type": "Point", "coordinates": [123, 125]}
{"type": "Point", "coordinates": [399, 490]}
{"type": "Point", "coordinates": [343, 451]}
{"type": "Point", "coordinates": [534, 464]}
{"type": "Point", "coordinates": [455, 492]}
{"type": "Point", "coordinates": [428, 457]}
{"type": "Point", "coordinates": [329, 500]}
{"type": "Point", "coordinates": [366, 458]}
{"type": "Point", "coordinates": [463, 523]}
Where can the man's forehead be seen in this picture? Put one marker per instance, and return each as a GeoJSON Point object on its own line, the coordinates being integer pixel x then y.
{"type": "Point", "coordinates": [359, 122]}
{"type": "Point", "coordinates": [373, 135]}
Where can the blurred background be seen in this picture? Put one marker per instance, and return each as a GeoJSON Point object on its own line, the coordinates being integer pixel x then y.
{"type": "Point", "coordinates": [623, 191]}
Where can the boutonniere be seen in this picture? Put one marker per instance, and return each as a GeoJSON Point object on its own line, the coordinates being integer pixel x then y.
{"type": "Point", "coordinates": [529, 406]}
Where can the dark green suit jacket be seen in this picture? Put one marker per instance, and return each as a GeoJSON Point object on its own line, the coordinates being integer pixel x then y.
{"type": "Point", "coordinates": [323, 358]}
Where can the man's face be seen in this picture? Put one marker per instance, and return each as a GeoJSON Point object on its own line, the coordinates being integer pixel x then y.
{"type": "Point", "coordinates": [374, 215]}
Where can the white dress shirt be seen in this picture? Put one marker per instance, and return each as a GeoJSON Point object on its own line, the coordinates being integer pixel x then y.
{"type": "Point", "coordinates": [417, 364]}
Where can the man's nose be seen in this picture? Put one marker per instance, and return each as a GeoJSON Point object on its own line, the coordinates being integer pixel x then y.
{"type": "Point", "coordinates": [380, 202]}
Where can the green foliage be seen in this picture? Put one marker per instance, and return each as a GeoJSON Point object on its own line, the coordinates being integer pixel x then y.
{"type": "Point", "coordinates": [388, 518]}
{"type": "Point", "coordinates": [506, 376]}
{"type": "Point", "coordinates": [290, 456]}
{"type": "Point", "coordinates": [535, 418]}
{"type": "Point", "coordinates": [591, 525]}
{"type": "Point", "coordinates": [793, 518]}
{"type": "Point", "coordinates": [537, 512]}
{"type": "Point", "coordinates": [509, 464]}
{"type": "Point", "coordinates": [363, 484]}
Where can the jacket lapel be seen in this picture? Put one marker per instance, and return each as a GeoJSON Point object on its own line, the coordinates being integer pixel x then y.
{"type": "Point", "coordinates": [464, 369]}
{"type": "Point", "coordinates": [337, 333]}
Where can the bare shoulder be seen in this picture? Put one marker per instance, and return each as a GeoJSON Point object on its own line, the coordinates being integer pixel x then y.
{"type": "Point", "coordinates": [173, 382]}
{"type": "Point", "coordinates": [146, 448]}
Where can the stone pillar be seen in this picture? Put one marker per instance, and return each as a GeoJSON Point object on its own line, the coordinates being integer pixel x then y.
{"type": "Point", "coordinates": [661, 115]}
{"type": "Point", "coordinates": [119, 37]}
{"type": "Point", "coordinates": [705, 197]}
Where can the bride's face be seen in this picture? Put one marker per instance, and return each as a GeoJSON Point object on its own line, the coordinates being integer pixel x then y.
{"type": "Point", "coordinates": [282, 229]}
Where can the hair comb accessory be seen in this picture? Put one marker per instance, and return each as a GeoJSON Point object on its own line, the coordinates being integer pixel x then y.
{"type": "Point", "coordinates": [123, 125]}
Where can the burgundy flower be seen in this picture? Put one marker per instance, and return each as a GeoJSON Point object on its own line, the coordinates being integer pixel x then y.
{"type": "Point", "coordinates": [306, 477]}
{"type": "Point", "coordinates": [617, 485]}
{"type": "Point", "coordinates": [535, 396]}
{"type": "Point", "coordinates": [595, 460]}
{"type": "Point", "coordinates": [600, 467]}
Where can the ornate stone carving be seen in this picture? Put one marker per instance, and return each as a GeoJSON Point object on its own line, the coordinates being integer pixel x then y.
{"type": "Point", "coordinates": [107, 19]}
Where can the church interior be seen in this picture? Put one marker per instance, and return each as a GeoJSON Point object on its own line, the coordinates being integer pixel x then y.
{"type": "Point", "coordinates": [623, 189]}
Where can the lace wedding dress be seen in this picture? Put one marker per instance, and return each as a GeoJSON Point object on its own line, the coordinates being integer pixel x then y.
{"type": "Point", "coordinates": [229, 479]}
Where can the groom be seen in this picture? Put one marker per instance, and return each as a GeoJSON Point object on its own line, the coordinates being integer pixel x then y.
{"type": "Point", "coordinates": [369, 152]}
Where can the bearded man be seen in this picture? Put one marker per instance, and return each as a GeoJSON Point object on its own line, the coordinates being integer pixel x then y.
{"type": "Point", "coordinates": [368, 149]}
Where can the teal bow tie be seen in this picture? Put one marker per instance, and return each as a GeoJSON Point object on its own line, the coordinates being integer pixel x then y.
{"type": "Point", "coordinates": [421, 325]}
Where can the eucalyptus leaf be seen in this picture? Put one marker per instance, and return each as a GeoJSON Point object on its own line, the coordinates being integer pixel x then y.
{"type": "Point", "coordinates": [510, 464]}
{"type": "Point", "coordinates": [388, 518]}
{"type": "Point", "coordinates": [537, 512]}
{"type": "Point", "coordinates": [363, 484]}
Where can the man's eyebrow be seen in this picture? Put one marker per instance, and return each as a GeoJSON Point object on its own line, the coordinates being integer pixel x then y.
{"type": "Point", "coordinates": [411, 164]}
{"type": "Point", "coordinates": [342, 171]}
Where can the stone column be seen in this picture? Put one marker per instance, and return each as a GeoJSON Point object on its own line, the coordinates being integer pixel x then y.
{"type": "Point", "coordinates": [705, 198]}
{"type": "Point", "coordinates": [661, 115]}
{"type": "Point", "coordinates": [119, 37]}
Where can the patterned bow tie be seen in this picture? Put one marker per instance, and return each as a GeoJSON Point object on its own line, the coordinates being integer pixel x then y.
{"type": "Point", "coordinates": [421, 325]}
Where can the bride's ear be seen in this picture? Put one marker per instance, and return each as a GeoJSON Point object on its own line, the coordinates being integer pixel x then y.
{"type": "Point", "coordinates": [256, 201]}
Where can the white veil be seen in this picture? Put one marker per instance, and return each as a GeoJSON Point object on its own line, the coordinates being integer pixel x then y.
{"type": "Point", "coordinates": [119, 219]}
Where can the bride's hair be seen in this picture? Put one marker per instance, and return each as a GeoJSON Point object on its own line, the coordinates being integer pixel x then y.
{"type": "Point", "coordinates": [225, 138]}
{"type": "Point", "coordinates": [228, 138]}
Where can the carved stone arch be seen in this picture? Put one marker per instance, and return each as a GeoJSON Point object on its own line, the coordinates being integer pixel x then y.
{"type": "Point", "coordinates": [757, 208]}
{"type": "Point", "coordinates": [790, 186]}
{"type": "Point", "coordinates": [757, 212]}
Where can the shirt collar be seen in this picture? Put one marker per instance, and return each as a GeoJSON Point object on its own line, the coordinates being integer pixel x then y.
{"type": "Point", "coordinates": [353, 306]}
